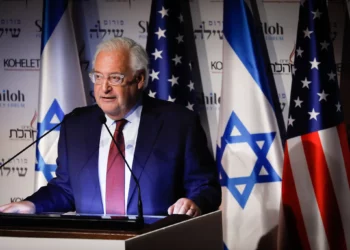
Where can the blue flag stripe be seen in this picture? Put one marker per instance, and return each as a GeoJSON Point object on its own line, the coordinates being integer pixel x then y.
{"type": "Point", "coordinates": [238, 21]}
{"type": "Point", "coordinates": [53, 11]}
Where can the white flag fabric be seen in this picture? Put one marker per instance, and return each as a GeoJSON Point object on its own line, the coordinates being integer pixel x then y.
{"type": "Point", "coordinates": [61, 85]}
{"type": "Point", "coordinates": [249, 151]}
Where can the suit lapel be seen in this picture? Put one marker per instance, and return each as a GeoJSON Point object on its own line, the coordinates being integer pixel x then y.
{"type": "Point", "coordinates": [150, 125]}
{"type": "Point", "coordinates": [91, 176]}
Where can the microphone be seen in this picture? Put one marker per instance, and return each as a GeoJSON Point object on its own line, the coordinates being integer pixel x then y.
{"type": "Point", "coordinates": [139, 218]}
{"type": "Point", "coordinates": [75, 112]}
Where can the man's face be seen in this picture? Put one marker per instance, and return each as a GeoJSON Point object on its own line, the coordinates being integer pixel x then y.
{"type": "Point", "coordinates": [116, 101]}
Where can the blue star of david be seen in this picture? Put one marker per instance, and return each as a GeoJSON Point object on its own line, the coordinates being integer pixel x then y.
{"type": "Point", "coordinates": [45, 125]}
{"type": "Point", "coordinates": [261, 162]}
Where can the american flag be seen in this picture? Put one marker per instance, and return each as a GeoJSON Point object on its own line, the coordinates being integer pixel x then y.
{"type": "Point", "coordinates": [170, 64]}
{"type": "Point", "coordinates": [315, 186]}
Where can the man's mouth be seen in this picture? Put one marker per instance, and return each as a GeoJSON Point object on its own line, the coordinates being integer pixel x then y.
{"type": "Point", "coordinates": [108, 97]}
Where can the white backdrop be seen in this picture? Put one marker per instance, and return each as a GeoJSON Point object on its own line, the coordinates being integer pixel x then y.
{"type": "Point", "coordinates": [94, 20]}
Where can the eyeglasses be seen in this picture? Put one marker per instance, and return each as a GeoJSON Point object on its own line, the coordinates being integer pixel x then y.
{"type": "Point", "coordinates": [113, 79]}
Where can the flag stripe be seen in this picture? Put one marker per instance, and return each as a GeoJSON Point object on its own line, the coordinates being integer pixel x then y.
{"type": "Point", "coordinates": [245, 227]}
{"type": "Point", "coordinates": [324, 190]}
{"type": "Point", "coordinates": [292, 210]}
{"type": "Point", "coordinates": [53, 12]}
{"type": "Point", "coordinates": [61, 87]}
{"type": "Point", "coordinates": [345, 149]}
{"type": "Point", "coordinates": [249, 153]}
{"type": "Point", "coordinates": [308, 203]}
{"type": "Point", "coordinates": [334, 157]}
{"type": "Point", "coordinates": [313, 120]}
{"type": "Point", "coordinates": [242, 22]}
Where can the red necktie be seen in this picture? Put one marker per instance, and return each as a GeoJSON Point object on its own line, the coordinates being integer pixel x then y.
{"type": "Point", "coordinates": [115, 186]}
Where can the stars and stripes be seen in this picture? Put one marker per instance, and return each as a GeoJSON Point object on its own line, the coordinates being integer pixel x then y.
{"type": "Point", "coordinates": [315, 187]}
{"type": "Point", "coordinates": [170, 64]}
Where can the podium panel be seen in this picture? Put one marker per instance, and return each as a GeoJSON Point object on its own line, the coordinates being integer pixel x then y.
{"type": "Point", "coordinates": [11, 243]}
{"type": "Point", "coordinates": [203, 232]}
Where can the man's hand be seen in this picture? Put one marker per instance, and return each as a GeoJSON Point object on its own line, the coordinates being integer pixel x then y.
{"type": "Point", "coordinates": [185, 206]}
{"type": "Point", "coordinates": [22, 207]}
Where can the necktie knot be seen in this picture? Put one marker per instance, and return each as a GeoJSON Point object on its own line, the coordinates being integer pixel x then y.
{"type": "Point", "coordinates": [120, 124]}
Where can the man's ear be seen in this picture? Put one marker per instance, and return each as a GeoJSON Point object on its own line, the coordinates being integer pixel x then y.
{"type": "Point", "coordinates": [140, 79]}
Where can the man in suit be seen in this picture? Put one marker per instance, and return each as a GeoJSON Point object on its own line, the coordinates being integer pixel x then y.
{"type": "Point", "coordinates": [163, 143]}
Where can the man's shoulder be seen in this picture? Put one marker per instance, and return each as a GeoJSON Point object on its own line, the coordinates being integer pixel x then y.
{"type": "Point", "coordinates": [86, 112]}
{"type": "Point", "coordinates": [167, 108]}
{"type": "Point", "coordinates": [87, 109]}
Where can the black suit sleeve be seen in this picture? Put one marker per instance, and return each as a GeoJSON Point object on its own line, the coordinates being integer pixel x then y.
{"type": "Point", "coordinates": [201, 178]}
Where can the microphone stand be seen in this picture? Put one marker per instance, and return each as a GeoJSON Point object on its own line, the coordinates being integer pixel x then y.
{"type": "Point", "coordinates": [76, 111]}
{"type": "Point", "coordinates": [37, 140]}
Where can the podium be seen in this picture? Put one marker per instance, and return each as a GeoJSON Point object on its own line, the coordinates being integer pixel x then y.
{"type": "Point", "coordinates": [171, 232]}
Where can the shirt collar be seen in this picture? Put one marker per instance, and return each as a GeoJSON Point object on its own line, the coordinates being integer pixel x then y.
{"type": "Point", "coordinates": [134, 113]}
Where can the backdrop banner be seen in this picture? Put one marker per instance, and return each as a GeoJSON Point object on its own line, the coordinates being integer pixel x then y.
{"type": "Point", "coordinates": [96, 20]}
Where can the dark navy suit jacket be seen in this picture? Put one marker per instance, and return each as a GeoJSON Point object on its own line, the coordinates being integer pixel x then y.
{"type": "Point", "coordinates": [171, 161]}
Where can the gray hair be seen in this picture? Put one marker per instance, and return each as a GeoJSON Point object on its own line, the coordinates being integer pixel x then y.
{"type": "Point", "coordinates": [138, 55]}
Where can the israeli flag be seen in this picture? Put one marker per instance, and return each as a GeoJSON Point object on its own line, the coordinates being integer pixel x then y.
{"type": "Point", "coordinates": [61, 84]}
{"type": "Point", "coordinates": [249, 145]}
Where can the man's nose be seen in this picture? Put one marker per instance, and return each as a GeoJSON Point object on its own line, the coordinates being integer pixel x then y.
{"type": "Point", "coordinates": [105, 85]}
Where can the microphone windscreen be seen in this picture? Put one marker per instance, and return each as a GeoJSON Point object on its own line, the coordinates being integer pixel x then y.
{"type": "Point", "coordinates": [102, 119]}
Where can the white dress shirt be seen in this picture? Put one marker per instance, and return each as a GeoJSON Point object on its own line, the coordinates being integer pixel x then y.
{"type": "Point", "coordinates": [130, 132]}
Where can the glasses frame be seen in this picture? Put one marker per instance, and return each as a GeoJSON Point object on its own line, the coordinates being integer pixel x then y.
{"type": "Point", "coordinates": [93, 73]}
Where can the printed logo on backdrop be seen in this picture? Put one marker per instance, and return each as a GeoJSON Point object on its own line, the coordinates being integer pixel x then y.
{"type": "Point", "coordinates": [10, 28]}
{"type": "Point", "coordinates": [24, 132]}
{"type": "Point", "coordinates": [16, 167]}
{"type": "Point", "coordinates": [210, 101]}
{"type": "Point", "coordinates": [206, 30]}
{"type": "Point", "coordinates": [21, 64]}
{"type": "Point", "coordinates": [209, 30]}
{"type": "Point", "coordinates": [273, 32]}
{"type": "Point", "coordinates": [216, 66]}
{"type": "Point", "coordinates": [283, 100]}
{"type": "Point", "coordinates": [39, 28]}
{"type": "Point", "coordinates": [282, 67]}
{"type": "Point", "coordinates": [143, 29]}
{"type": "Point", "coordinates": [12, 99]}
{"type": "Point", "coordinates": [110, 28]}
